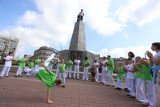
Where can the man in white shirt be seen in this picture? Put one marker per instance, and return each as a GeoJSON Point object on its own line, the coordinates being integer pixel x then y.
{"type": "Point", "coordinates": [7, 65]}
{"type": "Point", "coordinates": [76, 67]}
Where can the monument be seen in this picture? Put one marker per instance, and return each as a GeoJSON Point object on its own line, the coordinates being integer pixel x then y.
{"type": "Point", "coordinates": [77, 46]}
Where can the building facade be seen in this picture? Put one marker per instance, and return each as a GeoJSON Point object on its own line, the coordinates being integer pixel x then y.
{"type": "Point", "coordinates": [8, 44]}
{"type": "Point", "coordinates": [44, 52]}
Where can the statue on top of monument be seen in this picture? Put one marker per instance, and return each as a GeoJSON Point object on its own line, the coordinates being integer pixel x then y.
{"type": "Point", "coordinates": [80, 15]}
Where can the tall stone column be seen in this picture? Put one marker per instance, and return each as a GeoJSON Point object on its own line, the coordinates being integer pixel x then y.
{"type": "Point", "coordinates": [78, 40]}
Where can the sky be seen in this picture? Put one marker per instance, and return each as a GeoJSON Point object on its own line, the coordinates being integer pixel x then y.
{"type": "Point", "coordinates": [112, 27]}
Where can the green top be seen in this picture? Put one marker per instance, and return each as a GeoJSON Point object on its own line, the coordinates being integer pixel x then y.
{"type": "Point", "coordinates": [31, 64]}
{"type": "Point", "coordinates": [146, 75]}
{"type": "Point", "coordinates": [37, 61]}
{"type": "Point", "coordinates": [86, 63]}
{"type": "Point", "coordinates": [62, 68]}
{"type": "Point", "coordinates": [69, 64]}
{"type": "Point", "coordinates": [48, 78]}
{"type": "Point", "coordinates": [0, 57]}
{"type": "Point", "coordinates": [22, 62]}
{"type": "Point", "coordinates": [138, 72]}
{"type": "Point", "coordinates": [111, 65]}
{"type": "Point", "coordinates": [120, 72]}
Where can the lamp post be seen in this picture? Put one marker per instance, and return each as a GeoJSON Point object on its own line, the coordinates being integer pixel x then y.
{"type": "Point", "coordinates": [4, 49]}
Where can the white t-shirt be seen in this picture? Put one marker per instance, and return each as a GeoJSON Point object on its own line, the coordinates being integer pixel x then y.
{"type": "Point", "coordinates": [157, 55]}
{"type": "Point", "coordinates": [8, 63]}
{"type": "Point", "coordinates": [104, 67]}
{"type": "Point", "coordinates": [95, 64]}
{"type": "Point", "coordinates": [130, 75]}
{"type": "Point", "coordinates": [77, 62]}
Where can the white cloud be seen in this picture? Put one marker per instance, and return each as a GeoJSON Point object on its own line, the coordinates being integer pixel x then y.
{"type": "Point", "coordinates": [139, 11]}
{"type": "Point", "coordinates": [54, 21]}
{"type": "Point", "coordinates": [123, 52]}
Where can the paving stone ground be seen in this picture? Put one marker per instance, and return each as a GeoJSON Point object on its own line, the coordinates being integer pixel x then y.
{"type": "Point", "coordinates": [30, 92]}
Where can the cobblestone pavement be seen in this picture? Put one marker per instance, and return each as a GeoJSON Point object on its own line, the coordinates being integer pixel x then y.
{"type": "Point", "coordinates": [30, 92]}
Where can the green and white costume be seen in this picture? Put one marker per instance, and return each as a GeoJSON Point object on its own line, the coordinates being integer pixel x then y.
{"type": "Point", "coordinates": [120, 76]}
{"type": "Point", "coordinates": [62, 73]}
{"type": "Point", "coordinates": [69, 68]}
{"type": "Point", "coordinates": [48, 78]}
{"type": "Point", "coordinates": [22, 63]}
{"type": "Point", "coordinates": [110, 72]}
{"type": "Point", "coordinates": [150, 90]}
{"type": "Point", "coordinates": [37, 62]}
{"type": "Point", "coordinates": [86, 65]}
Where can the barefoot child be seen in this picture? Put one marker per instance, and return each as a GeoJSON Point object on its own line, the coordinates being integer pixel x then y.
{"type": "Point", "coordinates": [47, 77]}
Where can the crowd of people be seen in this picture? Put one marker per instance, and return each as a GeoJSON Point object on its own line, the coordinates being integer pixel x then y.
{"type": "Point", "coordinates": [140, 74]}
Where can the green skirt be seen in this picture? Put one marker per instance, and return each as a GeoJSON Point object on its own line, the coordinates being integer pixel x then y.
{"type": "Point", "coordinates": [48, 78]}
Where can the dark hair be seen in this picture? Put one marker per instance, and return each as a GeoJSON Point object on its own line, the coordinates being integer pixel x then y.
{"type": "Point", "coordinates": [86, 58]}
{"type": "Point", "coordinates": [109, 56]}
{"type": "Point", "coordinates": [157, 45]}
{"type": "Point", "coordinates": [129, 59]}
{"type": "Point", "coordinates": [10, 53]}
{"type": "Point", "coordinates": [25, 55]}
{"type": "Point", "coordinates": [131, 54]}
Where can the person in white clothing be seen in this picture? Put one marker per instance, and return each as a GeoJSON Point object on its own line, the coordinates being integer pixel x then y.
{"type": "Point", "coordinates": [131, 78]}
{"type": "Point", "coordinates": [96, 65]}
{"type": "Point", "coordinates": [76, 67]}
{"type": "Point", "coordinates": [103, 64]}
{"type": "Point", "coordinates": [7, 65]}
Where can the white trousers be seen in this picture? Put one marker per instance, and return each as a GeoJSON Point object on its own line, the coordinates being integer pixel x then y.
{"type": "Point", "coordinates": [19, 71]}
{"type": "Point", "coordinates": [68, 72]}
{"type": "Point", "coordinates": [28, 71]}
{"type": "Point", "coordinates": [103, 77]}
{"type": "Point", "coordinates": [119, 83]}
{"type": "Point", "coordinates": [158, 83]}
{"type": "Point", "coordinates": [62, 76]}
{"type": "Point", "coordinates": [150, 91]}
{"type": "Point", "coordinates": [139, 90]}
{"type": "Point", "coordinates": [50, 67]}
{"type": "Point", "coordinates": [85, 73]}
{"type": "Point", "coordinates": [126, 81]}
{"type": "Point", "coordinates": [110, 78]}
{"type": "Point", "coordinates": [76, 71]}
{"type": "Point", "coordinates": [5, 71]}
{"type": "Point", "coordinates": [132, 86]}
{"type": "Point", "coordinates": [97, 74]}
{"type": "Point", "coordinates": [57, 71]}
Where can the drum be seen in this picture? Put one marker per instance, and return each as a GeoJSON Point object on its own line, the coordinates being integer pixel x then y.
{"type": "Point", "coordinates": [93, 74]}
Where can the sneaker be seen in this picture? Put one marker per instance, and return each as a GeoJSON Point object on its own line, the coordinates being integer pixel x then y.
{"type": "Point", "coordinates": [128, 95]}
{"type": "Point", "coordinates": [117, 88]}
{"type": "Point", "coordinates": [132, 97]}
{"type": "Point", "coordinates": [16, 75]}
{"type": "Point", "coordinates": [63, 86]}
{"type": "Point", "coordinates": [125, 88]}
{"type": "Point", "coordinates": [142, 101]}
{"type": "Point", "coordinates": [146, 104]}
